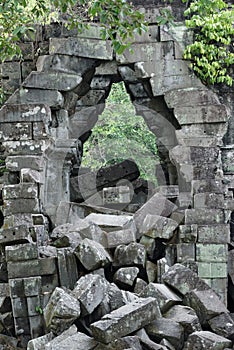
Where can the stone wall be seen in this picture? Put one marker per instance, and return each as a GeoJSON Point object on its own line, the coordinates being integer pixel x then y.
{"type": "Point", "coordinates": [64, 81]}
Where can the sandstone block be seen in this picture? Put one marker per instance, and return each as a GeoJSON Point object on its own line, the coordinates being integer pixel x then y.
{"type": "Point", "coordinates": [90, 291]}
{"type": "Point", "coordinates": [206, 216]}
{"type": "Point", "coordinates": [205, 340]}
{"type": "Point", "coordinates": [222, 325]}
{"type": "Point", "coordinates": [165, 297]}
{"type": "Point", "coordinates": [15, 206]}
{"type": "Point", "coordinates": [156, 226]}
{"type": "Point", "coordinates": [126, 276]}
{"type": "Point", "coordinates": [190, 97]}
{"type": "Point", "coordinates": [90, 48]}
{"type": "Point", "coordinates": [130, 255]}
{"type": "Point", "coordinates": [52, 81]}
{"type": "Point", "coordinates": [16, 163]}
{"type": "Point", "coordinates": [20, 191]}
{"type": "Point", "coordinates": [188, 233]}
{"type": "Point", "coordinates": [65, 63]}
{"type": "Point", "coordinates": [31, 268]}
{"type": "Point", "coordinates": [206, 304]}
{"type": "Point", "coordinates": [213, 234]}
{"type": "Point", "coordinates": [183, 280]}
{"type": "Point", "coordinates": [92, 255]}
{"type": "Point", "coordinates": [156, 205]}
{"type": "Point", "coordinates": [153, 51]}
{"type": "Point", "coordinates": [165, 328]}
{"type": "Point", "coordinates": [211, 252]}
{"type": "Point", "coordinates": [51, 98]}
{"type": "Point", "coordinates": [119, 237]}
{"type": "Point", "coordinates": [61, 311]}
{"type": "Point", "coordinates": [77, 341]}
{"type": "Point", "coordinates": [67, 268]}
{"type": "Point", "coordinates": [15, 131]}
{"type": "Point", "coordinates": [185, 252]}
{"type": "Point", "coordinates": [125, 320]}
{"type": "Point", "coordinates": [212, 270]}
{"type": "Point", "coordinates": [201, 114]}
{"type": "Point", "coordinates": [21, 252]}
{"type": "Point", "coordinates": [186, 317]}
{"type": "Point", "coordinates": [25, 113]}
{"type": "Point", "coordinates": [40, 342]}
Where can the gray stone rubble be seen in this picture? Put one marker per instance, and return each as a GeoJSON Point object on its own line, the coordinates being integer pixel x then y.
{"type": "Point", "coordinates": [103, 260]}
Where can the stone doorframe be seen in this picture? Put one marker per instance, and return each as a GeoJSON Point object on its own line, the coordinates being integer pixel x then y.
{"type": "Point", "coordinates": [61, 101]}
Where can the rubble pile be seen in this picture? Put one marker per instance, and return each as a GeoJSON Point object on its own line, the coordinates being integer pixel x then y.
{"type": "Point", "coordinates": [98, 284]}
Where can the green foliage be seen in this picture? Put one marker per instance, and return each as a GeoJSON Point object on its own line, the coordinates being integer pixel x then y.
{"type": "Point", "coordinates": [120, 134]}
{"type": "Point", "coordinates": [210, 53]}
{"type": "Point", "coordinates": [39, 310]}
{"type": "Point", "coordinates": [118, 19]}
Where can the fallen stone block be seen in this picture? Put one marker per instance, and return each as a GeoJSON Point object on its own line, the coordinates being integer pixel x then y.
{"type": "Point", "coordinates": [206, 304]}
{"type": "Point", "coordinates": [166, 297]}
{"type": "Point", "coordinates": [119, 237]}
{"type": "Point", "coordinates": [186, 317]}
{"type": "Point", "coordinates": [67, 268]}
{"type": "Point", "coordinates": [204, 340]}
{"type": "Point", "coordinates": [30, 175]}
{"type": "Point", "coordinates": [70, 239]}
{"type": "Point", "coordinates": [125, 320]}
{"type": "Point", "coordinates": [90, 291]}
{"type": "Point", "coordinates": [61, 311]}
{"type": "Point", "coordinates": [183, 280]}
{"type": "Point", "coordinates": [156, 226]}
{"type": "Point", "coordinates": [156, 205]}
{"type": "Point", "coordinates": [126, 276]}
{"type": "Point", "coordinates": [130, 255]}
{"type": "Point", "coordinates": [77, 341]}
{"type": "Point", "coordinates": [40, 342]}
{"type": "Point", "coordinates": [222, 325]}
{"type": "Point", "coordinates": [64, 335]}
{"type": "Point", "coordinates": [92, 255]}
{"type": "Point", "coordinates": [147, 343]}
{"type": "Point", "coordinates": [165, 328]}
{"type": "Point", "coordinates": [125, 343]}
{"type": "Point", "coordinates": [116, 195]}
{"type": "Point", "coordinates": [167, 344]}
{"type": "Point", "coordinates": [110, 222]}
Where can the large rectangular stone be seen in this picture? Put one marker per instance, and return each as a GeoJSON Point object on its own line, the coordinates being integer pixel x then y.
{"type": "Point", "coordinates": [150, 52]}
{"type": "Point", "coordinates": [209, 200]}
{"type": "Point", "coordinates": [25, 113]}
{"type": "Point", "coordinates": [203, 186]}
{"type": "Point", "coordinates": [31, 268]}
{"type": "Point", "coordinates": [30, 147]}
{"type": "Point", "coordinates": [190, 97]}
{"type": "Point", "coordinates": [53, 81]}
{"type": "Point", "coordinates": [15, 131]}
{"type": "Point", "coordinates": [21, 252]}
{"type": "Point", "coordinates": [156, 205]}
{"type": "Point", "coordinates": [14, 206]}
{"type": "Point", "coordinates": [90, 48]}
{"type": "Point", "coordinates": [167, 83]}
{"type": "Point", "coordinates": [201, 114]}
{"type": "Point", "coordinates": [213, 234]}
{"type": "Point", "coordinates": [51, 98]}
{"type": "Point", "coordinates": [212, 270]}
{"type": "Point", "coordinates": [20, 191]}
{"type": "Point", "coordinates": [211, 252]}
{"type": "Point", "coordinates": [125, 320]}
{"type": "Point", "coordinates": [16, 163]}
{"type": "Point", "coordinates": [11, 235]}
{"type": "Point", "coordinates": [206, 216]}
{"type": "Point", "coordinates": [162, 68]}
